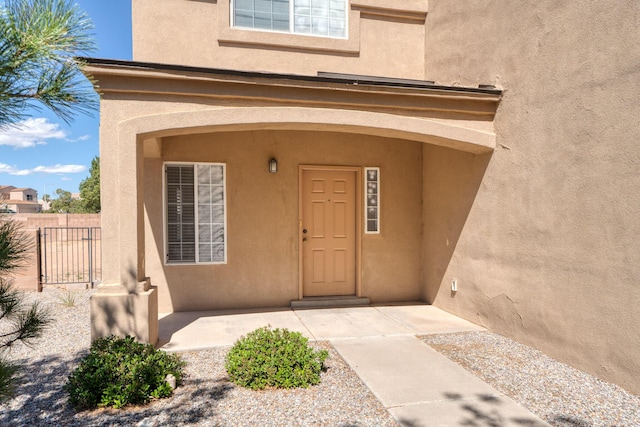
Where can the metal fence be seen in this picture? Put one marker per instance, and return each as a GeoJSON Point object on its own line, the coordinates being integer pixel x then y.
{"type": "Point", "coordinates": [70, 255]}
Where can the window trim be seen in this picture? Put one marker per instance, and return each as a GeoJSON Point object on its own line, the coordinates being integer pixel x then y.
{"type": "Point", "coordinates": [196, 214]}
{"type": "Point", "coordinates": [366, 201]}
{"type": "Point", "coordinates": [239, 36]}
{"type": "Point", "coordinates": [292, 23]}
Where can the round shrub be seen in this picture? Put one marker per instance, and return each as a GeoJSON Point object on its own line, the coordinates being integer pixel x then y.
{"type": "Point", "coordinates": [119, 372]}
{"type": "Point", "coordinates": [274, 358]}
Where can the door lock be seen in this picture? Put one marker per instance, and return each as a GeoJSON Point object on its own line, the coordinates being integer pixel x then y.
{"type": "Point", "coordinates": [304, 231]}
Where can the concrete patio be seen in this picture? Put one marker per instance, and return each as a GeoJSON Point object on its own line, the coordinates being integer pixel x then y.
{"type": "Point", "coordinates": [416, 384]}
{"type": "Point", "coordinates": [205, 329]}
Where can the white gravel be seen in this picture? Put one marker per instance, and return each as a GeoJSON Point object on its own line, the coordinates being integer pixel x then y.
{"type": "Point", "coordinates": [555, 392]}
{"type": "Point", "coordinates": [206, 397]}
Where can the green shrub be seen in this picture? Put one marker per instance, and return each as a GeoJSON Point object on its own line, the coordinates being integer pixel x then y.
{"type": "Point", "coordinates": [119, 372]}
{"type": "Point", "coordinates": [274, 358]}
{"type": "Point", "coordinates": [7, 378]}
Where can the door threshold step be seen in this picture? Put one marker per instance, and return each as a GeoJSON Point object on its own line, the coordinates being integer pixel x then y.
{"type": "Point", "coordinates": [330, 302]}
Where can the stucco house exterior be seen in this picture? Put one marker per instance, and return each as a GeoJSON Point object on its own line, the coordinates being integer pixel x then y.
{"type": "Point", "coordinates": [19, 200]}
{"type": "Point", "coordinates": [275, 152]}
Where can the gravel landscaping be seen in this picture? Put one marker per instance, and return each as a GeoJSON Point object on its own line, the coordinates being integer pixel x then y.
{"type": "Point", "coordinates": [206, 398]}
{"type": "Point", "coordinates": [555, 392]}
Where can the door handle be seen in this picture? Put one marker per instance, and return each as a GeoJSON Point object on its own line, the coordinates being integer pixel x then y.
{"type": "Point", "coordinates": [304, 239]}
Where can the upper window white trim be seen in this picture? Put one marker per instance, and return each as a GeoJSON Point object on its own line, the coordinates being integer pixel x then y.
{"type": "Point", "coordinates": [323, 18]}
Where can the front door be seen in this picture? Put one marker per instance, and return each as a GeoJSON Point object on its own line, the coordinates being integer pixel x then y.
{"type": "Point", "coordinates": [328, 232]}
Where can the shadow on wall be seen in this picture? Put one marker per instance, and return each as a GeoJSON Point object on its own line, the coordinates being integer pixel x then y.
{"type": "Point", "coordinates": [451, 182]}
{"type": "Point", "coordinates": [113, 316]}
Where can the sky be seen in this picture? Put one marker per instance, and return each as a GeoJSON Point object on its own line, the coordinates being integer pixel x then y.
{"type": "Point", "coordinates": [45, 153]}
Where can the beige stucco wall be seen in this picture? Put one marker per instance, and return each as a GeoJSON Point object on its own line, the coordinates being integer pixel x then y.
{"type": "Point", "coordinates": [263, 237]}
{"type": "Point", "coordinates": [151, 116]}
{"type": "Point", "coordinates": [547, 251]}
{"type": "Point", "coordinates": [159, 35]}
{"type": "Point", "coordinates": [153, 113]}
{"type": "Point", "coordinates": [133, 124]}
{"type": "Point", "coordinates": [540, 234]}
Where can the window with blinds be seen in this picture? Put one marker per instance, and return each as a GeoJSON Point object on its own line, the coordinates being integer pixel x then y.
{"type": "Point", "coordinates": [316, 17]}
{"type": "Point", "coordinates": [196, 213]}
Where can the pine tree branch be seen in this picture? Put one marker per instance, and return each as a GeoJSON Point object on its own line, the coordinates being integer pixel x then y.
{"type": "Point", "coordinates": [28, 325]}
{"type": "Point", "coordinates": [14, 246]}
{"type": "Point", "coordinates": [9, 300]}
{"type": "Point", "coordinates": [38, 65]}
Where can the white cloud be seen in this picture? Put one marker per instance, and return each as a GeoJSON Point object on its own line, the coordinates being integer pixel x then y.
{"type": "Point", "coordinates": [4, 168]}
{"type": "Point", "coordinates": [80, 138]}
{"type": "Point", "coordinates": [60, 169]}
{"type": "Point", "coordinates": [31, 132]}
{"type": "Point", "coordinates": [55, 169]}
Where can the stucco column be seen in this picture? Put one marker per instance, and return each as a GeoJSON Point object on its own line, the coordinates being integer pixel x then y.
{"type": "Point", "coordinates": [125, 303]}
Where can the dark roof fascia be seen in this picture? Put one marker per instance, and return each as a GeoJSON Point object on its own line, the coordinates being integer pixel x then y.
{"type": "Point", "coordinates": [345, 79]}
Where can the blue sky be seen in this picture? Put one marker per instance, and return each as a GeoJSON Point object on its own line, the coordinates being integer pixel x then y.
{"type": "Point", "coordinates": [45, 153]}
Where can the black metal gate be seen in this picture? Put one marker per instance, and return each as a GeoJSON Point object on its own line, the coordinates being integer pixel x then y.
{"type": "Point", "coordinates": [70, 255]}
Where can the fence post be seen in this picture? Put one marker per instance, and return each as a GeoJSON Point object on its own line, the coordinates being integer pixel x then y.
{"type": "Point", "coordinates": [39, 259]}
{"type": "Point", "coordinates": [90, 257]}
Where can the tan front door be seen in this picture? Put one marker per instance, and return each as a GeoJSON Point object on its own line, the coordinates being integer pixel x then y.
{"type": "Point", "coordinates": [328, 232]}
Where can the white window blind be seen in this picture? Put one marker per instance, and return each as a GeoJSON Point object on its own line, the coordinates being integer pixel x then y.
{"type": "Point", "coordinates": [196, 217]}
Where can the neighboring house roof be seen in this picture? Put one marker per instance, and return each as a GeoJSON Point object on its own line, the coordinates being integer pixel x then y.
{"type": "Point", "coordinates": [6, 188]}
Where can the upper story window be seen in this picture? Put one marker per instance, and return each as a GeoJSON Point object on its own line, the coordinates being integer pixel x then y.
{"type": "Point", "coordinates": [30, 197]}
{"type": "Point", "coordinates": [316, 17]}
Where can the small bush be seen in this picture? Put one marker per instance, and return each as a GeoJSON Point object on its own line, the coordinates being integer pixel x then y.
{"type": "Point", "coordinates": [274, 358]}
{"type": "Point", "coordinates": [119, 372]}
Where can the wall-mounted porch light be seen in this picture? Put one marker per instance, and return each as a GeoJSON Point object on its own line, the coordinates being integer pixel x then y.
{"type": "Point", "coordinates": [273, 165]}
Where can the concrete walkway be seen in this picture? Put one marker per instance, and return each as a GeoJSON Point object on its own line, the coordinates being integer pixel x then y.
{"type": "Point", "coordinates": [417, 385]}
